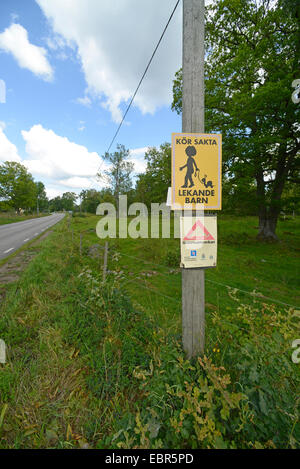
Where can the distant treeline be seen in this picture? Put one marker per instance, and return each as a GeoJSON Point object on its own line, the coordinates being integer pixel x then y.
{"type": "Point", "coordinates": [19, 191]}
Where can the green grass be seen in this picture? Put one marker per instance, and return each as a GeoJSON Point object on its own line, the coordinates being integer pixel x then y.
{"type": "Point", "coordinates": [271, 269]}
{"type": "Point", "coordinates": [100, 364]}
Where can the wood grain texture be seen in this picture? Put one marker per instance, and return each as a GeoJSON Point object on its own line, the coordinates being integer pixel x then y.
{"type": "Point", "coordinates": [193, 280]}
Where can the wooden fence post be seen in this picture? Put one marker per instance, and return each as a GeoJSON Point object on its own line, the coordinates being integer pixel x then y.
{"type": "Point", "coordinates": [105, 261]}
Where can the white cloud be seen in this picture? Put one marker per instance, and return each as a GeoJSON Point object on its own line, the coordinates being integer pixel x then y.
{"type": "Point", "coordinates": [76, 182]}
{"type": "Point", "coordinates": [8, 151]}
{"type": "Point", "coordinates": [61, 164]}
{"type": "Point", "coordinates": [56, 42]}
{"type": "Point", "coordinates": [115, 41]}
{"type": "Point", "coordinates": [137, 157]}
{"type": "Point", "coordinates": [85, 101]}
{"type": "Point", "coordinates": [53, 192]}
{"type": "Point", "coordinates": [14, 17]}
{"type": "Point", "coordinates": [14, 40]}
{"type": "Point", "coordinates": [2, 125]}
{"type": "Point", "coordinates": [139, 165]}
{"type": "Point", "coordinates": [139, 151]}
{"type": "Point", "coordinates": [57, 157]}
{"type": "Point", "coordinates": [2, 92]}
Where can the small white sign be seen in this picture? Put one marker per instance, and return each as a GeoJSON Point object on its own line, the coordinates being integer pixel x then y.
{"type": "Point", "coordinates": [198, 240]}
{"type": "Point", "coordinates": [169, 197]}
{"type": "Point", "coordinates": [2, 351]}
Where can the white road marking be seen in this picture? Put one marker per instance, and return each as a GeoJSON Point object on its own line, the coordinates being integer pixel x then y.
{"type": "Point", "coordinates": [25, 240]}
{"type": "Point", "coordinates": [5, 252]}
{"type": "Point", "coordinates": [35, 234]}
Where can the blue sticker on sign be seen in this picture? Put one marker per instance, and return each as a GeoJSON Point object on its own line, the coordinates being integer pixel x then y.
{"type": "Point", "coordinates": [193, 253]}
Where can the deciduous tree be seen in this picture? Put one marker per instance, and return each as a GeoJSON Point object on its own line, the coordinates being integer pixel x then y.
{"type": "Point", "coordinates": [152, 186]}
{"type": "Point", "coordinates": [17, 187]}
{"type": "Point", "coordinates": [252, 58]}
{"type": "Point", "coordinates": [119, 175]}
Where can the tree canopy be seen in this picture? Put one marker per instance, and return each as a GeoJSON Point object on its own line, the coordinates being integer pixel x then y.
{"type": "Point", "coordinates": [42, 199]}
{"type": "Point", "coordinates": [64, 202]}
{"type": "Point", "coordinates": [119, 175]}
{"type": "Point", "coordinates": [17, 188]}
{"type": "Point", "coordinates": [252, 58]}
{"type": "Point", "coordinates": [152, 186]}
{"type": "Point", "coordinates": [91, 198]}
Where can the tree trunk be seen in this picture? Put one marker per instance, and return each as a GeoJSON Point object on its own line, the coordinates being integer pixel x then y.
{"type": "Point", "coordinates": [267, 228]}
{"type": "Point", "coordinates": [269, 213]}
{"type": "Point", "coordinates": [117, 205]}
{"type": "Point", "coordinates": [267, 218]}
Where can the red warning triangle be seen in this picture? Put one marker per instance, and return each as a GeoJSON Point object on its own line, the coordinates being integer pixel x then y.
{"type": "Point", "coordinates": [205, 236]}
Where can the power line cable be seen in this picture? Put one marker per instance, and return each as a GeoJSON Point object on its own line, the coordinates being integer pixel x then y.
{"type": "Point", "coordinates": [141, 80]}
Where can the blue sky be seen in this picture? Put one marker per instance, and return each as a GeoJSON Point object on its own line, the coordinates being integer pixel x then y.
{"type": "Point", "coordinates": [69, 68]}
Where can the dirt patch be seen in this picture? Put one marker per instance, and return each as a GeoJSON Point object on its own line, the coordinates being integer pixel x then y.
{"type": "Point", "coordinates": [11, 270]}
{"type": "Point", "coordinates": [41, 238]}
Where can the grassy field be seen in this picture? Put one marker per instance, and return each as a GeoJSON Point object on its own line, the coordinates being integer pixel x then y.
{"type": "Point", "coordinates": [6, 218]}
{"type": "Point", "coordinates": [99, 364]}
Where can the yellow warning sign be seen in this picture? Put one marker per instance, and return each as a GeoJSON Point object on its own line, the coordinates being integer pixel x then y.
{"type": "Point", "coordinates": [197, 171]}
{"type": "Point", "coordinates": [198, 237]}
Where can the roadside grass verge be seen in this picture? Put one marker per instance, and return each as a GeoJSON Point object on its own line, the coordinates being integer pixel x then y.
{"type": "Point", "coordinates": [28, 248]}
{"type": "Point", "coordinates": [99, 364]}
{"type": "Point", "coordinates": [6, 218]}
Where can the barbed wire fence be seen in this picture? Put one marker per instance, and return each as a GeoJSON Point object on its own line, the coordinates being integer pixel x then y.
{"type": "Point", "coordinates": [140, 280]}
{"type": "Point", "coordinates": [253, 294]}
{"type": "Point", "coordinates": [171, 271]}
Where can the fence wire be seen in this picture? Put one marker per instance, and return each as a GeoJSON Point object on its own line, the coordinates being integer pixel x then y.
{"type": "Point", "coordinates": [254, 294]}
{"type": "Point", "coordinates": [173, 272]}
{"type": "Point", "coordinates": [170, 274]}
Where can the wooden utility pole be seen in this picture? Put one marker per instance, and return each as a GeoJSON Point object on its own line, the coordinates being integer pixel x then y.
{"type": "Point", "coordinates": [193, 280]}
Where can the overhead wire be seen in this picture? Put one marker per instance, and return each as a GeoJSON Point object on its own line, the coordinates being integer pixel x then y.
{"type": "Point", "coordinates": [141, 80]}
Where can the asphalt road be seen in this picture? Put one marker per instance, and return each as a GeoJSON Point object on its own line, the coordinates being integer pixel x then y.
{"type": "Point", "coordinates": [14, 235]}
